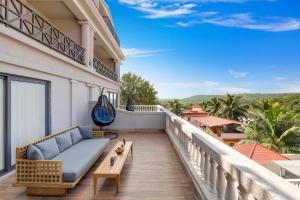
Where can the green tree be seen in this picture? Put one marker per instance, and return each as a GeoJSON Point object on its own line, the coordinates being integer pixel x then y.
{"type": "Point", "coordinates": [175, 106]}
{"type": "Point", "coordinates": [274, 128]}
{"type": "Point", "coordinates": [231, 107]}
{"type": "Point", "coordinates": [139, 90]}
{"type": "Point", "coordinates": [212, 106]}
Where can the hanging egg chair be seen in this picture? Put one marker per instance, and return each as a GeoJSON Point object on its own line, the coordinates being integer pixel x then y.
{"type": "Point", "coordinates": [103, 114]}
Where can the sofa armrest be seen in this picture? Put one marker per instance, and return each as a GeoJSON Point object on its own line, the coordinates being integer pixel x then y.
{"type": "Point", "coordinates": [98, 134]}
{"type": "Point", "coordinates": [39, 171]}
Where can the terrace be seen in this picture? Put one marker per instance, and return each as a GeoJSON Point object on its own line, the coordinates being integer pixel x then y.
{"type": "Point", "coordinates": [175, 160]}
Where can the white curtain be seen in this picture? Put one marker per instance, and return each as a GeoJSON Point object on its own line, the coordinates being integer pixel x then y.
{"type": "Point", "coordinates": [27, 114]}
{"type": "Point", "coordinates": [2, 155]}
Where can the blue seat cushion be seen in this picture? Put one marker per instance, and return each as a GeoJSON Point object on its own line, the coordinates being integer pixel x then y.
{"type": "Point", "coordinates": [86, 131]}
{"type": "Point", "coordinates": [34, 153]}
{"type": "Point", "coordinates": [64, 141]}
{"type": "Point", "coordinates": [80, 157]}
{"type": "Point", "coordinates": [49, 148]}
{"type": "Point", "coordinates": [75, 135]}
{"type": "Point", "coordinates": [103, 115]}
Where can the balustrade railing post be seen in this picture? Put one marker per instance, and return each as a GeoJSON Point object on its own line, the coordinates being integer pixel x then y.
{"type": "Point", "coordinates": [206, 166]}
{"type": "Point", "coordinates": [202, 161]}
{"type": "Point", "coordinates": [243, 194]}
{"type": "Point", "coordinates": [212, 174]}
{"type": "Point", "coordinates": [220, 186]}
{"type": "Point", "coordinates": [230, 191]}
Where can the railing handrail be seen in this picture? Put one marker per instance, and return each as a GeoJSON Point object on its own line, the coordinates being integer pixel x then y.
{"type": "Point", "coordinates": [107, 20]}
{"type": "Point", "coordinates": [142, 108]}
{"type": "Point", "coordinates": [101, 68]}
{"type": "Point", "coordinates": [251, 177]}
{"type": "Point", "coordinates": [36, 27]}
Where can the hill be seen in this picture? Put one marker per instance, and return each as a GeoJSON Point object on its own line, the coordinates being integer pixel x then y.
{"type": "Point", "coordinates": [248, 98]}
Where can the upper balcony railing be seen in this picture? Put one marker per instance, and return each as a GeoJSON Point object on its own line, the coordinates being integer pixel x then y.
{"type": "Point", "coordinates": [142, 108]}
{"type": "Point", "coordinates": [107, 20]}
{"type": "Point", "coordinates": [101, 68]}
{"type": "Point", "coordinates": [217, 170]}
{"type": "Point", "coordinates": [18, 16]}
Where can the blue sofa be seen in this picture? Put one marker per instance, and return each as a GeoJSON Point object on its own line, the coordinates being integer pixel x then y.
{"type": "Point", "coordinates": [58, 161]}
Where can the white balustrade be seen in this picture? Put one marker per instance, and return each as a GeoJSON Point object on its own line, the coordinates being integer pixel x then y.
{"type": "Point", "coordinates": [142, 108]}
{"type": "Point", "coordinates": [218, 171]}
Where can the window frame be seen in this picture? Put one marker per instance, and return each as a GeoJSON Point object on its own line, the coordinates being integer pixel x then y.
{"type": "Point", "coordinates": [7, 115]}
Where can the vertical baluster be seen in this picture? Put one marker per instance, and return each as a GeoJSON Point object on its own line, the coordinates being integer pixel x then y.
{"type": "Point", "coordinates": [230, 187]}
{"type": "Point", "coordinates": [243, 194]}
{"type": "Point", "coordinates": [206, 166]}
{"type": "Point", "coordinates": [199, 159]}
{"type": "Point", "coordinates": [220, 186]}
{"type": "Point", "coordinates": [212, 174]}
{"type": "Point", "coordinates": [202, 161]}
{"type": "Point", "coordinates": [191, 151]}
{"type": "Point", "coordinates": [195, 157]}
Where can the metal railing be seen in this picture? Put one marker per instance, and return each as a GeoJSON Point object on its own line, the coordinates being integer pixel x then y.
{"type": "Point", "coordinates": [106, 19]}
{"type": "Point", "coordinates": [142, 108]}
{"type": "Point", "coordinates": [101, 68]}
{"type": "Point", "coordinates": [16, 15]}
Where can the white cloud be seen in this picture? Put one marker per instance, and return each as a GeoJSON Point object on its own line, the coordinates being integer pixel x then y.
{"type": "Point", "coordinates": [138, 53]}
{"type": "Point", "coordinates": [279, 78]}
{"type": "Point", "coordinates": [247, 21]}
{"type": "Point", "coordinates": [205, 87]}
{"type": "Point", "coordinates": [154, 9]}
{"type": "Point", "coordinates": [293, 87]}
{"type": "Point", "coordinates": [237, 74]}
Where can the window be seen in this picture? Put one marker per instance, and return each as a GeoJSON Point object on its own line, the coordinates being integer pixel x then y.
{"type": "Point", "coordinates": [24, 115]}
{"type": "Point", "coordinates": [113, 98]}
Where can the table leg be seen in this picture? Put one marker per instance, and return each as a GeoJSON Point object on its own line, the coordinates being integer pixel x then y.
{"type": "Point", "coordinates": [95, 184]}
{"type": "Point", "coordinates": [118, 182]}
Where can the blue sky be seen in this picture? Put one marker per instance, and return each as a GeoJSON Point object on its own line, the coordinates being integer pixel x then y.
{"type": "Point", "coordinates": [188, 47]}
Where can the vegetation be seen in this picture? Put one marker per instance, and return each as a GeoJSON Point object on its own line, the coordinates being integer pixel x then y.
{"type": "Point", "coordinates": [275, 127]}
{"type": "Point", "coordinates": [138, 90]}
{"type": "Point", "coordinates": [272, 120]}
{"type": "Point", "coordinates": [175, 106]}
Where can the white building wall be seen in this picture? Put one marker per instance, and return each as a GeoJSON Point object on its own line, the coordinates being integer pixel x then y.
{"type": "Point", "coordinates": [22, 56]}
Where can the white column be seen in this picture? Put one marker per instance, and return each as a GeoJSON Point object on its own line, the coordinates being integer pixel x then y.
{"type": "Point", "coordinates": [117, 69]}
{"type": "Point", "coordinates": [220, 186]}
{"type": "Point", "coordinates": [92, 35]}
{"type": "Point", "coordinates": [87, 42]}
{"type": "Point", "coordinates": [212, 174]}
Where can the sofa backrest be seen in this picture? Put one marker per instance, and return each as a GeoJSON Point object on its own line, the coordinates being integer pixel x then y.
{"type": "Point", "coordinates": [21, 152]}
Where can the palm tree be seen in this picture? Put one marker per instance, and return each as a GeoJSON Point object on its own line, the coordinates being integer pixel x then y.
{"type": "Point", "coordinates": [176, 106]}
{"type": "Point", "coordinates": [213, 106]}
{"type": "Point", "coordinates": [231, 107]}
{"type": "Point", "coordinates": [274, 129]}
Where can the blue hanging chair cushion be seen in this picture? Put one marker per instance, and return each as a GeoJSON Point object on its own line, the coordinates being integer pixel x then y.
{"type": "Point", "coordinates": [103, 115]}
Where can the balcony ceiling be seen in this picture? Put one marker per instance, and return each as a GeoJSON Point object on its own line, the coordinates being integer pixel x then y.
{"type": "Point", "coordinates": [53, 9]}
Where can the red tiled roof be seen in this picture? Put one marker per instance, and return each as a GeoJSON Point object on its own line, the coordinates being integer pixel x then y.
{"type": "Point", "coordinates": [259, 153]}
{"type": "Point", "coordinates": [233, 136]}
{"type": "Point", "coordinates": [212, 121]}
{"type": "Point", "coordinates": [196, 106]}
{"type": "Point", "coordinates": [195, 113]}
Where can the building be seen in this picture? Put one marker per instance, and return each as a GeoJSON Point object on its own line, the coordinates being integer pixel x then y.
{"type": "Point", "coordinates": [195, 112]}
{"type": "Point", "coordinates": [261, 155]}
{"type": "Point", "coordinates": [55, 57]}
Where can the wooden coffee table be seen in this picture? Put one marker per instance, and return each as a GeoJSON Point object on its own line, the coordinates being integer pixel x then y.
{"type": "Point", "coordinates": [107, 171]}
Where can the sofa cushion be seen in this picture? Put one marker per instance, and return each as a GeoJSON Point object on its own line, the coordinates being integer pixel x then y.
{"type": "Point", "coordinates": [80, 157]}
{"type": "Point", "coordinates": [49, 148]}
{"type": "Point", "coordinates": [34, 153]}
{"type": "Point", "coordinates": [64, 141]}
{"type": "Point", "coordinates": [75, 135]}
{"type": "Point", "coordinates": [86, 132]}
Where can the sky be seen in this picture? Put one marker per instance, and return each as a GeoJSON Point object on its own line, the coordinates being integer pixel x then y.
{"type": "Point", "coordinates": [191, 47]}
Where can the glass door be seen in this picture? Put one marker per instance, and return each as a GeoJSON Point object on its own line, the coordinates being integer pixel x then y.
{"type": "Point", "coordinates": [28, 113]}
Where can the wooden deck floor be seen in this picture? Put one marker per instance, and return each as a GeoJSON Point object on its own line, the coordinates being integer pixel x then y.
{"type": "Point", "coordinates": [154, 172]}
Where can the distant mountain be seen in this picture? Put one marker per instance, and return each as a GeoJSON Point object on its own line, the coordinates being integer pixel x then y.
{"type": "Point", "coordinates": [196, 99]}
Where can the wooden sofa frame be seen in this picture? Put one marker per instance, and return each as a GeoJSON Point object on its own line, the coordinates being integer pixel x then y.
{"type": "Point", "coordinates": [44, 177]}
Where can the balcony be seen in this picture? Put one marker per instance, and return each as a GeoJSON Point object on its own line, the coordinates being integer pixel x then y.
{"type": "Point", "coordinates": [18, 16]}
{"type": "Point", "coordinates": [105, 13]}
{"type": "Point", "coordinates": [173, 159]}
{"type": "Point", "coordinates": [101, 68]}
